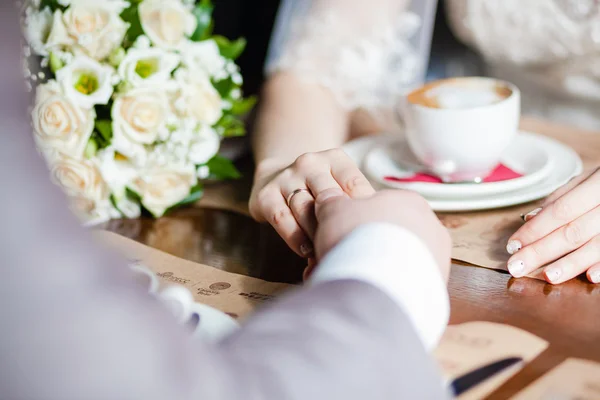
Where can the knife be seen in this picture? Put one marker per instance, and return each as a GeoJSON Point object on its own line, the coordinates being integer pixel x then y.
{"type": "Point", "coordinates": [473, 378]}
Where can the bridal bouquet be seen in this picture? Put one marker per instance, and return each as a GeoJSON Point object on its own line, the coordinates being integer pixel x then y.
{"type": "Point", "coordinates": [132, 101]}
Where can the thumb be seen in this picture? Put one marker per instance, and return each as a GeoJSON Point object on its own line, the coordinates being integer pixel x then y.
{"type": "Point", "coordinates": [328, 198]}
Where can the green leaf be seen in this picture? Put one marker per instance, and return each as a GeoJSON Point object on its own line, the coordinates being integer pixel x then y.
{"type": "Point", "coordinates": [133, 195]}
{"type": "Point", "coordinates": [224, 87]}
{"type": "Point", "coordinates": [53, 4]}
{"type": "Point", "coordinates": [195, 194]}
{"type": "Point", "coordinates": [132, 16]}
{"type": "Point", "coordinates": [222, 168]}
{"type": "Point", "coordinates": [231, 126]}
{"type": "Point", "coordinates": [243, 106]}
{"type": "Point", "coordinates": [104, 128]}
{"type": "Point", "coordinates": [229, 49]}
{"type": "Point", "coordinates": [203, 13]}
{"type": "Point", "coordinates": [55, 62]}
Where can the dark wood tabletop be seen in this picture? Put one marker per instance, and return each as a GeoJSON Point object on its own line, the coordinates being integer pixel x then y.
{"type": "Point", "coordinates": [567, 316]}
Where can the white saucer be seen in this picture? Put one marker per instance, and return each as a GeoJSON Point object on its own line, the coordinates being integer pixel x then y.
{"type": "Point", "coordinates": [565, 165]}
{"type": "Point", "coordinates": [392, 157]}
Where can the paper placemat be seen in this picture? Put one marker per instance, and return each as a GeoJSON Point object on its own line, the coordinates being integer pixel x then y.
{"type": "Point", "coordinates": [472, 345]}
{"type": "Point", "coordinates": [236, 295]}
{"type": "Point", "coordinates": [574, 379]}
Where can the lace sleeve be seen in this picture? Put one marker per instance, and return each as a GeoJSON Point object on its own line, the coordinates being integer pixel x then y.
{"type": "Point", "coordinates": [531, 32]}
{"type": "Point", "coordinates": [366, 53]}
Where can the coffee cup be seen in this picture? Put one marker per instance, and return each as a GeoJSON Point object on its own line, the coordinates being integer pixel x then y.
{"type": "Point", "coordinates": [458, 128]}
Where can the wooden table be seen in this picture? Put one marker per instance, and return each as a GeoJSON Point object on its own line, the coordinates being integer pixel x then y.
{"type": "Point", "coordinates": [568, 316]}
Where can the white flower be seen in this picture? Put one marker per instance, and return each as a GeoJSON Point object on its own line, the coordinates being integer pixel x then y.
{"type": "Point", "coordinates": [37, 30]}
{"type": "Point", "coordinates": [197, 98]}
{"type": "Point", "coordinates": [58, 124]}
{"type": "Point", "coordinates": [94, 27]}
{"type": "Point", "coordinates": [204, 146]}
{"type": "Point", "coordinates": [151, 66]}
{"type": "Point", "coordinates": [139, 117]}
{"type": "Point", "coordinates": [206, 57]}
{"type": "Point", "coordinates": [83, 183]}
{"type": "Point", "coordinates": [202, 172]}
{"type": "Point", "coordinates": [118, 173]}
{"type": "Point", "coordinates": [86, 82]}
{"type": "Point", "coordinates": [163, 188]}
{"type": "Point", "coordinates": [166, 22]}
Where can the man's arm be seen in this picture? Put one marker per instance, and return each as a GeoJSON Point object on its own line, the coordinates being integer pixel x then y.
{"type": "Point", "coordinates": [74, 326]}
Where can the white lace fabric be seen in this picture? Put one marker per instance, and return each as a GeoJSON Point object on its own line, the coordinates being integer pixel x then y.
{"type": "Point", "coordinates": [364, 52]}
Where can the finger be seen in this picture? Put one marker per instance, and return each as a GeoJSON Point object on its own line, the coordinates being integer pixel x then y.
{"type": "Point", "coordinates": [312, 263]}
{"type": "Point", "coordinates": [565, 209]}
{"type": "Point", "coordinates": [566, 188]}
{"type": "Point", "coordinates": [574, 264]}
{"type": "Point", "coordinates": [302, 205]}
{"type": "Point", "coordinates": [279, 215]}
{"type": "Point", "coordinates": [593, 274]}
{"type": "Point", "coordinates": [348, 176]}
{"type": "Point", "coordinates": [557, 244]}
{"type": "Point", "coordinates": [327, 200]}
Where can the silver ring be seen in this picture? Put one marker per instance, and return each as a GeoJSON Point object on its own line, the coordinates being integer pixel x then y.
{"type": "Point", "coordinates": [295, 192]}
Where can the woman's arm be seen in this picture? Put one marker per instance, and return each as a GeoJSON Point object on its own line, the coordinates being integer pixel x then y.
{"type": "Point", "coordinates": [296, 117]}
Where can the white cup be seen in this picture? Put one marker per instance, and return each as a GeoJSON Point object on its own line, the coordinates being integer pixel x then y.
{"type": "Point", "coordinates": [462, 144]}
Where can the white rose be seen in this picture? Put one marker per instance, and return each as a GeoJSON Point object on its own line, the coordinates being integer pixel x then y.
{"type": "Point", "coordinates": [83, 183]}
{"type": "Point", "coordinates": [197, 98]}
{"type": "Point", "coordinates": [152, 66]}
{"type": "Point", "coordinates": [59, 124]}
{"type": "Point", "coordinates": [37, 30]}
{"type": "Point", "coordinates": [161, 189]}
{"type": "Point", "coordinates": [205, 56]}
{"type": "Point", "coordinates": [86, 82]}
{"type": "Point", "coordinates": [139, 117]}
{"type": "Point", "coordinates": [94, 27]}
{"type": "Point", "coordinates": [205, 145]}
{"type": "Point", "coordinates": [166, 22]}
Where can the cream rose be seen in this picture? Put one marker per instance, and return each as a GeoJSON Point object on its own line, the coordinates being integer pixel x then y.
{"type": "Point", "coordinates": [197, 98]}
{"type": "Point", "coordinates": [152, 66]}
{"type": "Point", "coordinates": [60, 125]}
{"type": "Point", "coordinates": [167, 23]}
{"type": "Point", "coordinates": [83, 183]}
{"type": "Point", "coordinates": [94, 27]}
{"type": "Point", "coordinates": [139, 117]}
{"type": "Point", "coordinates": [86, 82]}
{"type": "Point", "coordinates": [161, 189]}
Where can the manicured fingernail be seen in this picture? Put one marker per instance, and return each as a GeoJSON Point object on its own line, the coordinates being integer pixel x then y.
{"type": "Point", "coordinates": [553, 274]}
{"type": "Point", "coordinates": [513, 246]}
{"type": "Point", "coordinates": [595, 277]}
{"type": "Point", "coordinates": [531, 214]}
{"type": "Point", "coordinates": [306, 249]}
{"type": "Point", "coordinates": [516, 268]}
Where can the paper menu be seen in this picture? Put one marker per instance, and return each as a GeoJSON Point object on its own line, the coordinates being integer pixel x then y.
{"type": "Point", "coordinates": [471, 345]}
{"type": "Point", "coordinates": [574, 379]}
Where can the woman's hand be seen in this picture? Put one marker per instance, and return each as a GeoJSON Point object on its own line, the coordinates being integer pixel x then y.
{"type": "Point", "coordinates": [277, 195]}
{"type": "Point", "coordinates": [564, 234]}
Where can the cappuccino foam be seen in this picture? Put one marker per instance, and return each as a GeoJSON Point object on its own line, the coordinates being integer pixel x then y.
{"type": "Point", "coordinates": [459, 93]}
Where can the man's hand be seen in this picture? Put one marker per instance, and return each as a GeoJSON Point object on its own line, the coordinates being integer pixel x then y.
{"type": "Point", "coordinates": [338, 216]}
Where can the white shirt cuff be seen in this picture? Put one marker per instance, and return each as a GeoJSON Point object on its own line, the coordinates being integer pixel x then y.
{"type": "Point", "coordinates": [398, 263]}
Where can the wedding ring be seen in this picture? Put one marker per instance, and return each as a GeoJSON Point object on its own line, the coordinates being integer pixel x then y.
{"type": "Point", "coordinates": [295, 192]}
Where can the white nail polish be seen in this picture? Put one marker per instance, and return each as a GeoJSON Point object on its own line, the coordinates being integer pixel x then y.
{"type": "Point", "coordinates": [516, 268]}
{"type": "Point", "coordinates": [595, 277]}
{"type": "Point", "coordinates": [553, 274]}
{"type": "Point", "coordinates": [513, 246]}
{"type": "Point", "coordinates": [532, 214]}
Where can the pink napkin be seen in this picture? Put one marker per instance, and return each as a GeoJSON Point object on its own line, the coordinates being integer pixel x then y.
{"type": "Point", "coordinates": [501, 173]}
